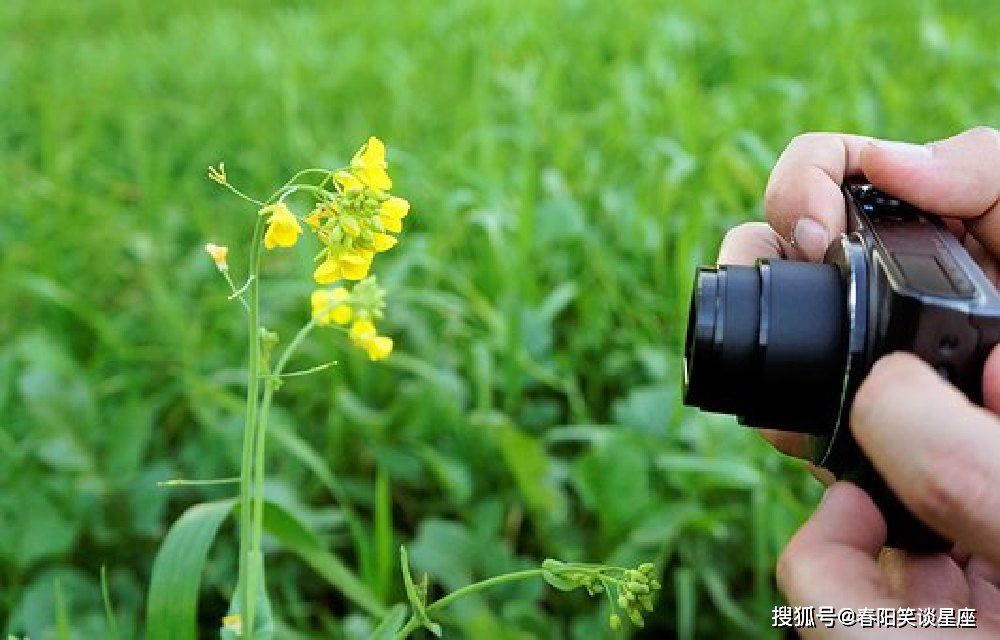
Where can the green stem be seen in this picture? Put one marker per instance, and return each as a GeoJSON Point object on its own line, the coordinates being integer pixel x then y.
{"type": "Point", "coordinates": [259, 447]}
{"type": "Point", "coordinates": [247, 570]}
{"type": "Point", "coordinates": [414, 623]}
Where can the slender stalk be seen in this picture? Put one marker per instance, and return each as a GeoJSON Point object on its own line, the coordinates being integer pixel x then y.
{"type": "Point", "coordinates": [414, 623]}
{"type": "Point", "coordinates": [244, 594]}
{"type": "Point", "coordinates": [259, 446]}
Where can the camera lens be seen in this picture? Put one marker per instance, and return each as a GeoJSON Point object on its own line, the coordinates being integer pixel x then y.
{"type": "Point", "coordinates": [768, 343]}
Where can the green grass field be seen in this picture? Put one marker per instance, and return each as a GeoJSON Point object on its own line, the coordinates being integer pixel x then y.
{"type": "Point", "coordinates": [569, 164]}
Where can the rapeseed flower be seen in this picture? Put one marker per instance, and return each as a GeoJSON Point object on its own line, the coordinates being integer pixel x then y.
{"type": "Point", "coordinates": [283, 228]}
{"type": "Point", "coordinates": [329, 305]}
{"type": "Point", "coordinates": [369, 165]}
{"type": "Point", "coordinates": [218, 254]}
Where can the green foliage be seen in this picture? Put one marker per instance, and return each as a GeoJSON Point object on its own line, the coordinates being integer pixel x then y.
{"type": "Point", "coordinates": [569, 163]}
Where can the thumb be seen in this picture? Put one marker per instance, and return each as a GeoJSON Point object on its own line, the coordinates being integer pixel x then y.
{"type": "Point", "coordinates": [958, 177]}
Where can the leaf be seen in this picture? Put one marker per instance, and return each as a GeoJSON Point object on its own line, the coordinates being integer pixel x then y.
{"type": "Point", "coordinates": [614, 481]}
{"type": "Point", "coordinates": [391, 623]}
{"type": "Point", "coordinates": [416, 599]}
{"type": "Point", "coordinates": [173, 590]}
{"type": "Point", "coordinates": [298, 539]}
{"type": "Point", "coordinates": [533, 470]}
{"type": "Point", "coordinates": [646, 409]}
{"type": "Point", "coordinates": [719, 472]}
{"type": "Point", "coordinates": [557, 580]}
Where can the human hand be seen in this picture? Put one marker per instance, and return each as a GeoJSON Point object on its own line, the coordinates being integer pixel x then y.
{"type": "Point", "coordinates": [946, 476]}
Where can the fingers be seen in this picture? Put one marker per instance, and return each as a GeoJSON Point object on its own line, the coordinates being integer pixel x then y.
{"type": "Point", "coordinates": [803, 200]}
{"type": "Point", "coordinates": [957, 177]}
{"type": "Point", "coordinates": [831, 560]}
{"type": "Point", "coordinates": [922, 580]}
{"type": "Point", "coordinates": [749, 241]}
{"type": "Point", "coordinates": [937, 451]}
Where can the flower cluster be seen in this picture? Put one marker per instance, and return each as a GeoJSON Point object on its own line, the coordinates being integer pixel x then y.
{"type": "Point", "coordinates": [361, 308]}
{"type": "Point", "coordinates": [631, 591]}
{"type": "Point", "coordinates": [354, 217]}
{"type": "Point", "coordinates": [357, 222]}
{"type": "Point", "coordinates": [635, 594]}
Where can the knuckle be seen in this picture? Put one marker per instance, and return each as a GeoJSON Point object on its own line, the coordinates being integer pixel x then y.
{"type": "Point", "coordinates": [953, 485]}
{"type": "Point", "coordinates": [797, 568]}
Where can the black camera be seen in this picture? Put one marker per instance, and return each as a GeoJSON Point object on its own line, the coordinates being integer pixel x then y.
{"type": "Point", "coordinates": [784, 345]}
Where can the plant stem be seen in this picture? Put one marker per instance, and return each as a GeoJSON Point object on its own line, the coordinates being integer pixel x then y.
{"type": "Point", "coordinates": [247, 569]}
{"type": "Point", "coordinates": [259, 447]}
{"type": "Point", "coordinates": [414, 623]}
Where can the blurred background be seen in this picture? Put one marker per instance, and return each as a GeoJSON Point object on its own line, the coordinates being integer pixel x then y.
{"type": "Point", "coordinates": [569, 164]}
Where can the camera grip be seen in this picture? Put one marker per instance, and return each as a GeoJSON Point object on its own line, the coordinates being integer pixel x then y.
{"type": "Point", "coordinates": [904, 530]}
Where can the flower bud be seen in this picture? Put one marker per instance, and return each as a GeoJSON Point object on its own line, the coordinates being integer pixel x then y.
{"type": "Point", "coordinates": [218, 254]}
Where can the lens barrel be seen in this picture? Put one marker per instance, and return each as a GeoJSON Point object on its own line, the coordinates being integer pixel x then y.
{"type": "Point", "coordinates": [768, 343]}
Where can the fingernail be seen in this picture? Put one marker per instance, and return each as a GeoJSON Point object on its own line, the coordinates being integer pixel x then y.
{"type": "Point", "coordinates": [905, 150]}
{"type": "Point", "coordinates": [810, 237]}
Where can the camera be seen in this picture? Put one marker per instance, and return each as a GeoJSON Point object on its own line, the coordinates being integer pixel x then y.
{"type": "Point", "coordinates": [784, 345]}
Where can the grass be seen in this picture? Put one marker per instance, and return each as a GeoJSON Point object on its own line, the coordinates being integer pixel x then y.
{"type": "Point", "coordinates": [570, 163]}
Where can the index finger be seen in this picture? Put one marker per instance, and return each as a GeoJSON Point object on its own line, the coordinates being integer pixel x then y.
{"type": "Point", "coordinates": [803, 200]}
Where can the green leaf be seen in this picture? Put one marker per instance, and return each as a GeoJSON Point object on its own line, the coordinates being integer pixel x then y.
{"type": "Point", "coordinates": [298, 539]}
{"type": "Point", "coordinates": [173, 590]}
{"type": "Point", "coordinates": [534, 472]}
{"type": "Point", "coordinates": [557, 580]}
{"type": "Point", "coordinates": [415, 597]}
{"type": "Point", "coordinates": [177, 570]}
{"type": "Point", "coordinates": [391, 623]}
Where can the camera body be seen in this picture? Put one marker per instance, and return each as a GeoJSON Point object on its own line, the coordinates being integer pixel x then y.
{"type": "Point", "coordinates": [785, 345]}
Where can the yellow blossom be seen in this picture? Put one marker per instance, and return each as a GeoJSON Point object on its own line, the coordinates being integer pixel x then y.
{"type": "Point", "coordinates": [396, 207]}
{"type": "Point", "coordinates": [364, 335]}
{"type": "Point", "coordinates": [378, 348]}
{"type": "Point", "coordinates": [384, 242]}
{"type": "Point", "coordinates": [354, 265]}
{"type": "Point", "coordinates": [218, 254]}
{"type": "Point", "coordinates": [392, 212]}
{"type": "Point", "coordinates": [347, 181]}
{"type": "Point", "coordinates": [328, 271]}
{"type": "Point", "coordinates": [369, 165]}
{"type": "Point", "coordinates": [282, 228]}
{"type": "Point", "coordinates": [390, 223]}
{"type": "Point", "coordinates": [362, 331]}
{"type": "Point", "coordinates": [328, 306]}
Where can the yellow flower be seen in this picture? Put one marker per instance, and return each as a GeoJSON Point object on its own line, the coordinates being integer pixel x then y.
{"type": "Point", "coordinates": [392, 212]}
{"type": "Point", "coordinates": [378, 348]}
{"type": "Point", "coordinates": [218, 254]}
{"type": "Point", "coordinates": [364, 335]}
{"type": "Point", "coordinates": [369, 165]}
{"type": "Point", "coordinates": [282, 228]}
{"type": "Point", "coordinates": [328, 271]}
{"type": "Point", "coordinates": [347, 181]}
{"type": "Point", "coordinates": [384, 242]}
{"type": "Point", "coordinates": [354, 265]}
{"type": "Point", "coordinates": [362, 331]}
{"type": "Point", "coordinates": [396, 207]}
{"type": "Point", "coordinates": [350, 265]}
{"type": "Point", "coordinates": [328, 306]}
{"type": "Point", "coordinates": [320, 213]}
{"type": "Point", "coordinates": [390, 223]}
